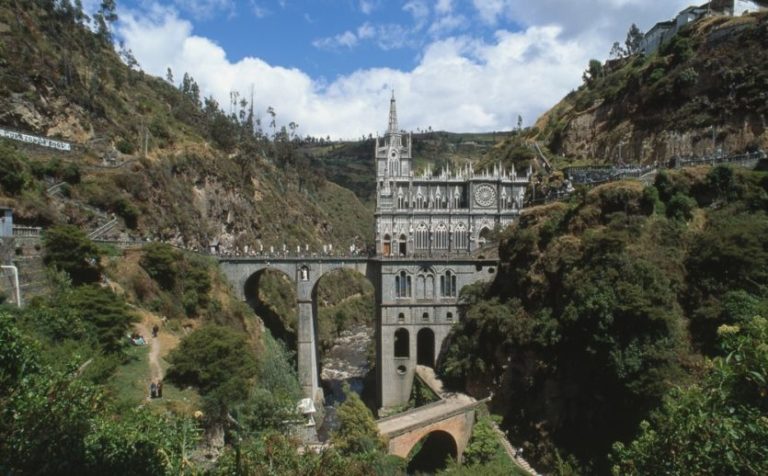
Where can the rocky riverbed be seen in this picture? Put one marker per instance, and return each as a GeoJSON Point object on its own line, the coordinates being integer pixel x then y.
{"type": "Point", "coordinates": [347, 362]}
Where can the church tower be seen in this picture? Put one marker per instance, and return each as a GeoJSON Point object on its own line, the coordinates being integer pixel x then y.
{"type": "Point", "coordinates": [393, 158]}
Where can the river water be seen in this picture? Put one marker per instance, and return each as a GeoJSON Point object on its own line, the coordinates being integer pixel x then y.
{"type": "Point", "coordinates": [346, 362]}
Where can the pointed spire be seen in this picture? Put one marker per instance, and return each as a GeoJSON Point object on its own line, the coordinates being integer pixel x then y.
{"type": "Point", "coordinates": [393, 129]}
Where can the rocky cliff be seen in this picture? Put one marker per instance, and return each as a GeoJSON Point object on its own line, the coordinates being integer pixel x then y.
{"type": "Point", "coordinates": [706, 90]}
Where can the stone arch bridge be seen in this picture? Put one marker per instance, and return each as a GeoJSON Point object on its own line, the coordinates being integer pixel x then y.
{"type": "Point", "coordinates": [304, 274]}
{"type": "Point", "coordinates": [416, 304]}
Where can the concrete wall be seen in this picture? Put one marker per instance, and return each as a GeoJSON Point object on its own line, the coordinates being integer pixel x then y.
{"type": "Point", "coordinates": [395, 374]}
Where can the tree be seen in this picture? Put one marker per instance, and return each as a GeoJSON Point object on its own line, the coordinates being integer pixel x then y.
{"type": "Point", "coordinates": [106, 314]}
{"type": "Point", "coordinates": [634, 40]}
{"type": "Point", "coordinates": [69, 250]}
{"type": "Point", "coordinates": [593, 73]}
{"type": "Point", "coordinates": [617, 52]}
{"type": "Point", "coordinates": [217, 360]}
{"type": "Point", "coordinates": [13, 172]}
{"type": "Point", "coordinates": [716, 427]}
{"type": "Point", "coordinates": [160, 261]}
{"type": "Point", "coordinates": [357, 432]}
{"type": "Point", "coordinates": [105, 16]}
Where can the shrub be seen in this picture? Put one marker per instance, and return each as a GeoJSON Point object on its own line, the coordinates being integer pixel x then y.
{"type": "Point", "coordinates": [68, 249]}
{"type": "Point", "coordinates": [160, 262]}
{"type": "Point", "coordinates": [680, 207]}
{"type": "Point", "coordinates": [217, 360]}
{"type": "Point", "coordinates": [125, 147]}
{"type": "Point", "coordinates": [13, 172]}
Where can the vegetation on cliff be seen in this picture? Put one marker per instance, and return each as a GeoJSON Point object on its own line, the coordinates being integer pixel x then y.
{"type": "Point", "coordinates": [711, 78]}
{"type": "Point", "coordinates": [185, 170]}
{"type": "Point", "coordinates": [604, 304]}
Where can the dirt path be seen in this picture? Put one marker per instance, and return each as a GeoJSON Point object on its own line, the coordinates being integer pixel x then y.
{"type": "Point", "coordinates": [159, 346]}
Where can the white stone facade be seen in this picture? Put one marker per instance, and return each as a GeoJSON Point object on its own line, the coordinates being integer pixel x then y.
{"type": "Point", "coordinates": [442, 214]}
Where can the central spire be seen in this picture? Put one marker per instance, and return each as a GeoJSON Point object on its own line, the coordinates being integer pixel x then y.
{"type": "Point", "coordinates": [393, 129]}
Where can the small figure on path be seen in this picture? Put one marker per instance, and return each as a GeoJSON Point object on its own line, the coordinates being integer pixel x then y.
{"type": "Point", "coordinates": [153, 390]}
{"type": "Point", "coordinates": [155, 329]}
{"type": "Point", "coordinates": [160, 389]}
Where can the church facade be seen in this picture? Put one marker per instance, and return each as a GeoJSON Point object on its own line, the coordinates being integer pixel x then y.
{"type": "Point", "coordinates": [427, 230]}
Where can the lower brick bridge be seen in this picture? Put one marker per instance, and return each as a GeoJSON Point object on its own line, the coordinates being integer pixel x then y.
{"type": "Point", "coordinates": [448, 421]}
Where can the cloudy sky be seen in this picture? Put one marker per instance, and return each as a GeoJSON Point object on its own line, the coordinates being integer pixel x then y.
{"type": "Point", "coordinates": [329, 65]}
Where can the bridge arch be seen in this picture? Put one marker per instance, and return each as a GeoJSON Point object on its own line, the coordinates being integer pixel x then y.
{"type": "Point", "coordinates": [325, 293]}
{"type": "Point", "coordinates": [283, 287]}
{"type": "Point", "coordinates": [433, 453]}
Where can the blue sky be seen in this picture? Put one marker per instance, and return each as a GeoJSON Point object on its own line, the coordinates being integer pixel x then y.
{"type": "Point", "coordinates": [460, 65]}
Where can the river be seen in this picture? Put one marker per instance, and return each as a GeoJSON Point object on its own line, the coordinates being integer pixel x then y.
{"type": "Point", "coordinates": [346, 362]}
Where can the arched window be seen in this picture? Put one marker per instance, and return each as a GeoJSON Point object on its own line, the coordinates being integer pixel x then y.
{"type": "Point", "coordinates": [484, 236]}
{"type": "Point", "coordinates": [402, 285]}
{"type": "Point", "coordinates": [420, 202]}
{"type": "Point", "coordinates": [401, 318]}
{"type": "Point", "coordinates": [448, 284]}
{"type": "Point", "coordinates": [386, 246]}
{"type": "Point", "coordinates": [449, 316]}
{"type": "Point", "coordinates": [403, 245]}
{"type": "Point", "coordinates": [402, 343]}
{"type": "Point", "coordinates": [460, 237]}
{"type": "Point", "coordinates": [441, 237]}
{"type": "Point", "coordinates": [422, 237]}
{"type": "Point", "coordinates": [425, 317]}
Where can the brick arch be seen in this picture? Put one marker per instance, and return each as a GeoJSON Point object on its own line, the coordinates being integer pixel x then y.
{"type": "Point", "coordinates": [459, 427]}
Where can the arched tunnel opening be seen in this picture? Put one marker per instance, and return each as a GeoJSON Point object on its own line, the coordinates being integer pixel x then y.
{"type": "Point", "coordinates": [272, 296]}
{"type": "Point", "coordinates": [432, 453]}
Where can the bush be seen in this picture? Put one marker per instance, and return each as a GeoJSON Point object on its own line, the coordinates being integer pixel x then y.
{"type": "Point", "coordinates": [217, 360]}
{"type": "Point", "coordinates": [125, 147]}
{"type": "Point", "coordinates": [68, 249]}
{"type": "Point", "coordinates": [128, 212]}
{"type": "Point", "coordinates": [105, 313]}
{"type": "Point", "coordinates": [680, 207]}
{"type": "Point", "coordinates": [160, 262]}
{"type": "Point", "coordinates": [13, 171]}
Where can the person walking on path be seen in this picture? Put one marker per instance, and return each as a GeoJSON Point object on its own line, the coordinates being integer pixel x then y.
{"type": "Point", "coordinates": [153, 390]}
{"type": "Point", "coordinates": [155, 330]}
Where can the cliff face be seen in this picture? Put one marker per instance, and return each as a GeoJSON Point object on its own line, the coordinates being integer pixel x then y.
{"type": "Point", "coordinates": [705, 90]}
{"type": "Point", "coordinates": [180, 168]}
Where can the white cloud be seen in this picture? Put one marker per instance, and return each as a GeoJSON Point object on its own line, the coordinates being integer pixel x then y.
{"type": "Point", "coordinates": [347, 39]}
{"type": "Point", "coordinates": [489, 10]}
{"type": "Point", "coordinates": [609, 17]}
{"type": "Point", "coordinates": [418, 9]}
{"type": "Point", "coordinates": [205, 8]}
{"type": "Point", "coordinates": [447, 24]}
{"type": "Point", "coordinates": [388, 36]}
{"type": "Point", "coordinates": [460, 84]}
{"type": "Point", "coordinates": [367, 6]}
{"type": "Point", "coordinates": [444, 7]}
{"type": "Point", "coordinates": [259, 10]}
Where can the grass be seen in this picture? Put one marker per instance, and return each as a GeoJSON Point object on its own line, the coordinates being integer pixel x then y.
{"type": "Point", "coordinates": [130, 386]}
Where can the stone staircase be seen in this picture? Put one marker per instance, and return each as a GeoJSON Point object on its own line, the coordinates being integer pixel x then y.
{"type": "Point", "coordinates": [513, 453]}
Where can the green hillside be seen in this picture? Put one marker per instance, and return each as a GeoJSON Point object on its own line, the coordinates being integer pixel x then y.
{"type": "Point", "coordinates": [710, 79]}
{"type": "Point", "coordinates": [626, 304]}
{"type": "Point", "coordinates": [183, 170]}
